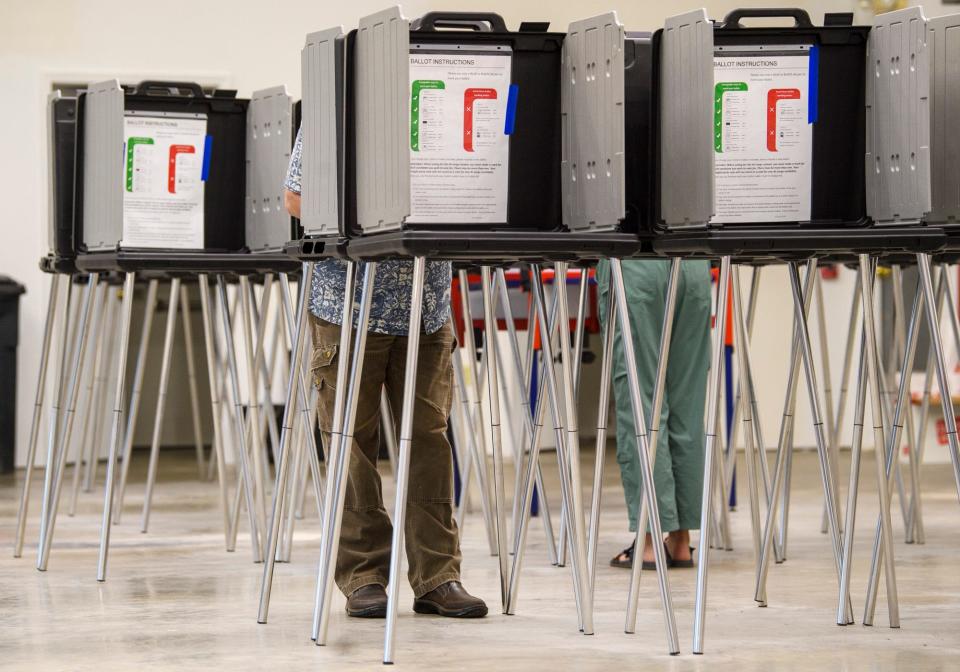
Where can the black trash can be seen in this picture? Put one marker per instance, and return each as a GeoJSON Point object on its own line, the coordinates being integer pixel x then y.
{"type": "Point", "coordinates": [10, 292]}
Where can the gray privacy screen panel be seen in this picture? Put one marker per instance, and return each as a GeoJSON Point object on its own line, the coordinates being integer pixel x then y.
{"type": "Point", "coordinates": [686, 120]}
{"type": "Point", "coordinates": [592, 107]}
{"type": "Point", "coordinates": [103, 166]}
{"type": "Point", "coordinates": [269, 121]}
{"type": "Point", "coordinates": [382, 121]}
{"type": "Point", "coordinates": [898, 118]}
{"type": "Point", "coordinates": [943, 45]}
{"type": "Point", "coordinates": [321, 179]}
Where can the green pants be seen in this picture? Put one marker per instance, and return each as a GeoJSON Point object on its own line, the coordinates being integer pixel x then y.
{"type": "Point", "coordinates": [678, 472]}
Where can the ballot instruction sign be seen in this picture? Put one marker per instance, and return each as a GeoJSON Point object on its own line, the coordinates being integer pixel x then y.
{"type": "Point", "coordinates": [163, 180]}
{"type": "Point", "coordinates": [459, 152]}
{"type": "Point", "coordinates": [763, 133]}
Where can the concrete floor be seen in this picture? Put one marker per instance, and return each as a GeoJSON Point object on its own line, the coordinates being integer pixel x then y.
{"type": "Point", "coordinates": [175, 600]}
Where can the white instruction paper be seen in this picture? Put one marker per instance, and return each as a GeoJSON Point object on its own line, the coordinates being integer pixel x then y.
{"type": "Point", "coordinates": [763, 141]}
{"type": "Point", "coordinates": [459, 153]}
{"type": "Point", "coordinates": [163, 189]}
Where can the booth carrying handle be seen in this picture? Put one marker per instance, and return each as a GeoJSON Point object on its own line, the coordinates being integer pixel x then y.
{"type": "Point", "coordinates": [481, 22]}
{"type": "Point", "coordinates": [800, 16]}
{"type": "Point", "coordinates": [156, 87]}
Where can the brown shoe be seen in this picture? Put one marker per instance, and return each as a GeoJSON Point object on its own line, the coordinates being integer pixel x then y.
{"type": "Point", "coordinates": [450, 599]}
{"type": "Point", "coordinates": [368, 602]}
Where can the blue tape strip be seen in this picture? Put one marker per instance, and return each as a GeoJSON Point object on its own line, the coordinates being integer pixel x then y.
{"type": "Point", "coordinates": [205, 171]}
{"type": "Point", "coordinates": [814, 85]}
{"type": "Point", "coordinates": [511, 110]}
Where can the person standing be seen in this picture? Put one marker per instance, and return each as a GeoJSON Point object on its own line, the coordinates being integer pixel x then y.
{"type": "Point", "coordinates": [431, 534]}
{"type": "Point", "coordinates": [678, 470]}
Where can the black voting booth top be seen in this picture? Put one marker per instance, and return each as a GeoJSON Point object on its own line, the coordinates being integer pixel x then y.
{"type": "Point", "coordinates": [839, 227]}
{"type": "Point", "coordinates": [534, 229]}
{"type": "Point", "coordinates": [224, 192]}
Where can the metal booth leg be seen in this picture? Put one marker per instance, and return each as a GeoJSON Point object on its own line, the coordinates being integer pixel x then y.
{"type": "Point", "coordinates": [493, 401]}
{"type": "Point", "coordinates": [885, 473]}
{"type": "Point", "coordinates": [856, 446]}
{"type": "Point", "coordinates": [784, 448]}
{"type": "Point", "coordinates": [308, 410]}
{"type": "Point", "coordinates": [827, 383]}
{"type": "Point", "coordinates": [546, 386]}
{"type": "Point", "coordinates": [61, 440]}
{"type": "Point", "coordinates": [294, 384]}
{"type": "Point", "coordinates": [474, 446]}
{"type": "Point", "coordinates": [577, 530]}
{"type": "Point", "coordinates": [740, 348]}
{"type": "Point", "coordinates": [53, 302]}
{"type": "Point", "coordinates": [218, 438]}
{"type": "Point", "coordinates": [85, 447]}
{"type": "Point", "coordinates": [58, 394]}
{"type": "Point", "coordinates": [116, 432]}
{"type": "Point", "coordinates": [526, 412]}
{"type": "Point", "coordinates": [103, 373]}
{"type": "Point", "coordinates": [841, 405]}
{"type": "Point", "coordinates": [666, 334]}
{"type": "Point", "coordinates": [346, 400]}
{"type": "Point", "coordinates": [168, 339]}
{"type": "Point", "coordinates": [135, 396]}
{"type": "Point", "coordinates": [192, 380]}
{"type": "Point", "coordinates": [901, 338]}
{"type": "Point", "coordinates": [474, 417]}
{"type": "Point", "coordinates": [253, 402]}
{"type": "Point", "coordinates": [263, 378]}
{"type": "Point", "coordinates": [403, 461]}
{"type": "Point", "coordinates": [915, 529]}
{"type": "Point", "coordinates": [256, 524]}
{"type": "Point", "coordinates": [826, 471]}
{"type": "Point", "coordinates": [714, 383]}
{"type": "Point", "coordinates": [873, 375]}
{"type": "Point", "coordinates": [741, 394]}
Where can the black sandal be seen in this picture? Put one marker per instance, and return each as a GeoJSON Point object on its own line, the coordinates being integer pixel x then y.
{"type": "Point", "coordinates": [651, 565]}
{"type": "Point", "coordinates": [683, 564]}
{"type": "Point", "coordinates": [623, 559]}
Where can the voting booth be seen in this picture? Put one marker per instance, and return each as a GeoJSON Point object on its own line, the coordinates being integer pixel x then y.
{"type": "Point", "coordinates": [820, 138]}
{"type": "Point", "coordinates": [170, 178]}
{"type": "Point", "coordinates": [449, 136]}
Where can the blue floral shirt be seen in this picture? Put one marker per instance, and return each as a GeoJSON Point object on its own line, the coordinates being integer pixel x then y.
{"type": "Point", "coordinates": [390, 304]}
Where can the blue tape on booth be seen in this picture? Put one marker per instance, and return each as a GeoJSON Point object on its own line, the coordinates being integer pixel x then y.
{"type": "Point", "coordinates": [205, 170]}
{"type": "Point", "coordinates": [511, 110]}
{"type": "Point", "coordinates": [814, 84]}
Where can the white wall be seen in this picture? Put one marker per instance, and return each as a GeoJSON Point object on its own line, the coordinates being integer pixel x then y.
{"type": "Point", "coordinates": [245, 45]}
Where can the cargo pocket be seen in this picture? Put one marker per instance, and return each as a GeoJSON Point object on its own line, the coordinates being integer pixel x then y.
{"type": "Point", "coordinates": [322, 366]}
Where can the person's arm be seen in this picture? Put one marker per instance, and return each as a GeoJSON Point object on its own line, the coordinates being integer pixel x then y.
{"type": "Point", "coordinates": [291, 186]}
{"type": "Point", "coordinates": [291, 201]}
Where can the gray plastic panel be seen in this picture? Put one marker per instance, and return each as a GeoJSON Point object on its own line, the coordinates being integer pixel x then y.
{"type": "Point", "coordinates": [103, 166]}
{"type": "Point", "coordinates": [686, 120]}
{"type": "Point", "coordinates": [592, 107]}
{"type": "Point", "coordinates": [52, 99]}
{"type": "Point", "coordinates": [383, 121]}
{"type": "Point", "coordinates": [321, 60]}
{"type": "Point", "coordinates": [898, 118]}
{"type": "Point", "coordinates": [269, 136]}
{"type": "Point", "coordinates": [943, 45]}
